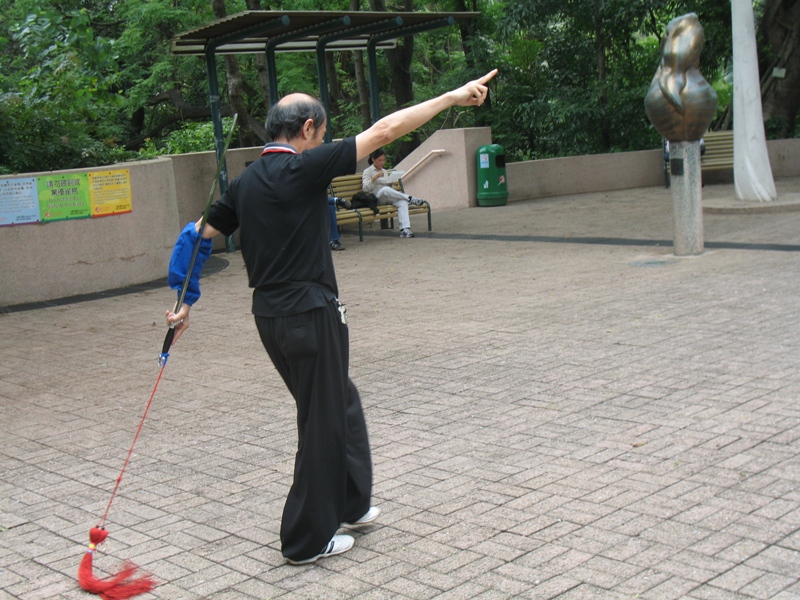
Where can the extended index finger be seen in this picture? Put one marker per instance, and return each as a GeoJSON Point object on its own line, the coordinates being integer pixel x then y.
{"type": "Point", "coordinates": [488, 76]}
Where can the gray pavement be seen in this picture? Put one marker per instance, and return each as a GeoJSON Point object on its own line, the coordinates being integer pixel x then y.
{"type": "Point", "coordinates": [558, 408]}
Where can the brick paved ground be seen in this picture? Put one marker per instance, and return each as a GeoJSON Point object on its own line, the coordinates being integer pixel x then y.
{"type": "Point", "coordinates": [572, 414]}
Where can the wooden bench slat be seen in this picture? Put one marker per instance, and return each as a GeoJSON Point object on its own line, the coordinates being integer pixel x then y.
{"type": "Point", "coordinates": [719, 151]}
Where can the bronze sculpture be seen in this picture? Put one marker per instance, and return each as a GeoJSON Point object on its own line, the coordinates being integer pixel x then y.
{"type": "Point", "coordinates": [680, 103]}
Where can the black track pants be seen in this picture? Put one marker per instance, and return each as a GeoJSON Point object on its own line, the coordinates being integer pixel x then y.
{"type": "Point", "coordinates": [333, 468]}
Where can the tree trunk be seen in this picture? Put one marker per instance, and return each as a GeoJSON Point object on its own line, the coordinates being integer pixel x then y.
{"type": "Point", "coordinates": [600, 45]}
{"type": "Point", "coordinates": [400, 65]}
{"type": "Point", "coordinates": [467, 29]}
{"type": "Point", "coordinates": [251, 132]}
{"type": "Point", "coordinates": [261, 62]}
{"type": "Point", "coordinates": [780, 73]}
{"type": "Point", "coordinates": [363, 89]}
{"type": "Point", "coordinates": [752, 173]}
{"type": "Point", "coordinates": [183, 112]}
{"type": "Point", "coordinates": [334, 89]}
{"type": "Point", "coordinates": [361, 80]}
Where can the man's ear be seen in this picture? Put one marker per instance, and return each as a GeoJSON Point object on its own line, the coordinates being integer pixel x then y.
{"type": "Point", "coordinates": [309, 129]}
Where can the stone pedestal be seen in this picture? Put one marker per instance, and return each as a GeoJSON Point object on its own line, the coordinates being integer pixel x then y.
{"type": "Point", "coordinates": [687, 198]}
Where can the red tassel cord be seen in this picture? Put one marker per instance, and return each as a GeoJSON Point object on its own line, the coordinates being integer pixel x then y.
{"type": "Point", "coordinates": [122, 585]}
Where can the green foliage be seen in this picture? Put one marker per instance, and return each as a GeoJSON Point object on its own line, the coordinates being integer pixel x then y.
{"type": "Point", "coordinates": [81, 79]}
{"type": "Point", "coordinates": [39, 135]}
{"type": "Point", "coordinates": [297, 72]}
{"type": "Point", "coordinates": [723, 85]}
{"type": "Point", "coordinates": [78, 72]}
{"type": "Point", "coordinates": [191, 137]}
{"type": "Point", "coordinates": [60, 108]}
{"type": "Point", "coordinates": [558, 103]}
{"type": "Point", "coordinates": [575, 73]}
{"type": "Point", "coordinates": [148, 69]}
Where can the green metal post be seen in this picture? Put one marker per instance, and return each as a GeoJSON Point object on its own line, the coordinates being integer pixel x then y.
{"type": "Point", "coordinates": [214, 98]}
{"type": "Point", "coordinates": [219, 136]}
{"type": "Point", "coordinates": [324, 95]}
{"type": "Point", "coordinates": [272, 75]}
{"type": "Point", "coordinates": [374, 92]}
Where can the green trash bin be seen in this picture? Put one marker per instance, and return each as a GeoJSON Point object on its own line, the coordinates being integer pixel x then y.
{"type": "Point", "coordinates": [492, 186]}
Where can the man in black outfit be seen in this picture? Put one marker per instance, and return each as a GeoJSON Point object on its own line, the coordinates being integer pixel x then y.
{"type": "Point", "coordinates": [280, 206]}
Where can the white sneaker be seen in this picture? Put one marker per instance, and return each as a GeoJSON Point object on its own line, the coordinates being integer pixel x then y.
{"type": "Point", "coordinates": [415, 201]}
{"type": "Point", "coordinates": [406, 233]}
{"type": "Point", "coordinates": [369, 517]}
{"type": "Point", "coordinates": [339, 544]}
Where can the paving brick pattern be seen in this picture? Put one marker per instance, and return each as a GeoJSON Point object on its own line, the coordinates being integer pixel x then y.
{"type": "Point", "coordinates": [548, 420]}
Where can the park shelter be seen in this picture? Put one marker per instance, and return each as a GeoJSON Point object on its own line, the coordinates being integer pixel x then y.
{"type": "Point", "coordinates": [272, 31]}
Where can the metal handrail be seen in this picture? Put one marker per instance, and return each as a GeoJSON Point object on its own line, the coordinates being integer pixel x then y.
{"type": "Point", "coordinates": [430, 154]}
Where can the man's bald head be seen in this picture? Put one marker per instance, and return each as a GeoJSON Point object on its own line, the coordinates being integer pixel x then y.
{"type": "Point", "coordinates": [286, 118]}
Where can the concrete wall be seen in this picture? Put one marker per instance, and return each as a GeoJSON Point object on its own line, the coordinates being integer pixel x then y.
{"type": "Point", "coordinates": [784, 157]}
{"type": "Point", "coordinates": [194, 174]}
{"type": "Point", "coordinates": [46, 261]}
{"type": "Point", "coordinates": [624, 170]}
{"type": "Point", "coordinates": [580, 174]}
{"type": "Point", "coordinates": [449, 180]}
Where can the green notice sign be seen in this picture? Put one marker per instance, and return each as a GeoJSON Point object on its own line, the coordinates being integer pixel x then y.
{"type": "Point", "coordinates": [63, 197]}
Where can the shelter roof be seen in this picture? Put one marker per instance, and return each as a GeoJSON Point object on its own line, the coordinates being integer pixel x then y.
{"type": "Point", "coordinates": [250, 31]}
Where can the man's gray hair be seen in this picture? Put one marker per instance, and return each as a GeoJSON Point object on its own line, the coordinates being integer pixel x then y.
{"type": "Point", "coordinates": [285, 119]}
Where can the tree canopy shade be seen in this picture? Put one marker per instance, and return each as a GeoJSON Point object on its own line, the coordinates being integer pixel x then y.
{"type": "Point", "coordinates": [292, 31]}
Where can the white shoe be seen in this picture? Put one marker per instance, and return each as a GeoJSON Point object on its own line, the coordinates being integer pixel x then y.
{"type": "Point", "coordinates": [339, 544]}
{"type": "Point", "coordinates": [369, 517]}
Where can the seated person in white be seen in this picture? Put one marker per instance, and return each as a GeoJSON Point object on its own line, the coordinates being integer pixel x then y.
{"type": "Point", "coordinates": [376, 181]}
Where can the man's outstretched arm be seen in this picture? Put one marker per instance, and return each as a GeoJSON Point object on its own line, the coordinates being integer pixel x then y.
{"type": "Point", "coordinates": [406, 120]}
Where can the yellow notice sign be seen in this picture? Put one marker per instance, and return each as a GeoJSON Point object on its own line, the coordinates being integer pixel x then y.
{"type": "Point", "coordinates": [110, 192]}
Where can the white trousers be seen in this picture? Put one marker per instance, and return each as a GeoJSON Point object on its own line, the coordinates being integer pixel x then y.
{"type": "Point", "coordinates": [388, 195]}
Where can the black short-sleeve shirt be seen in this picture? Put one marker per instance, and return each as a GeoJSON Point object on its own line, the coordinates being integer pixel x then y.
{"type": "Point", "coordinates": [280, 205]}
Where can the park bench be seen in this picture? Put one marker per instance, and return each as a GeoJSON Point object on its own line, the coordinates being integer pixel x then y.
{"type": "Point", "coordinates": [346, 186]}
{"type": "Point", "coordinates": [719, 151]}
{"type": "Point", "coordinates": [718, 155]}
